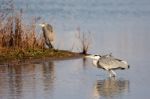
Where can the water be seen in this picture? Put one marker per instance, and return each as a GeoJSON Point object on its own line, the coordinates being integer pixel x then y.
{"type": "Point", "coordinates": [120, 27]}
{"type": "Point", "coordinates": [75, 79]}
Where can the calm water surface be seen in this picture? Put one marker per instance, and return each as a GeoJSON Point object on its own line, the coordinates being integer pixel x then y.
{"type": "Point", "coordinates": [118, 26]}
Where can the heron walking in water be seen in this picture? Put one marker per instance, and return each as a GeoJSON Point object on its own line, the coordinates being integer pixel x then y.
{"type": "Point", "coordinates": [109, 63]}
{"type": "Point", "coordinates": [48, 34]}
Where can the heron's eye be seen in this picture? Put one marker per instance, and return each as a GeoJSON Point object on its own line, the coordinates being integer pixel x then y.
{"type": "Point", "coordinates": [97, 56]}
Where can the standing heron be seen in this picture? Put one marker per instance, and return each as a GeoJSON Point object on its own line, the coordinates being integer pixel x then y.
{"type": "Point", "coordinates": [108, 63]}
{"type": "Point", "coordinates": [48, 34]}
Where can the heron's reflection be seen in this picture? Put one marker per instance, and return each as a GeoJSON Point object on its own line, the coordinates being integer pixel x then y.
{"type": "Point", "coordinates": [110, 87]}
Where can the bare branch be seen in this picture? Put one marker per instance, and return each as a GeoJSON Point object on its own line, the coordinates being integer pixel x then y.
{"type": "Point", "coordinates": [85, 41]}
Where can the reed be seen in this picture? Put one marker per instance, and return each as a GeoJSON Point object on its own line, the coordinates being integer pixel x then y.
{"type": "Point", "coordinates": [17, 38]}
{"type": "Point", "coordinates": [14, 34]}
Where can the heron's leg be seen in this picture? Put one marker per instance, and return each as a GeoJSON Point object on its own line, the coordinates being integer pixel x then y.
{"type": "Point", "coordinates": [48, 43]}
{"type": "Point", "coordinates": [113, 73]}
{"type": "Point", "coordinates": [51, 46]}
{"type": "Point", "coordinates": [110, 73]}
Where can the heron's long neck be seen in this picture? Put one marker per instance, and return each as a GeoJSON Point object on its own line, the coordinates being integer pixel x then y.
{"type": "Point", "coordinates": [95, 62]}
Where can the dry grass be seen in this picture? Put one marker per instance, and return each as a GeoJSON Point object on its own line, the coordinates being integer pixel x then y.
{"type": "Point", "coordinates": [14, 34]}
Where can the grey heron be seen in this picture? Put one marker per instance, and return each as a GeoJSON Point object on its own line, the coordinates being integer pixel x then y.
{"type": "Point", "coordinates": [48, 34]}
{"type": "Point", "coordinates": [108, 63]}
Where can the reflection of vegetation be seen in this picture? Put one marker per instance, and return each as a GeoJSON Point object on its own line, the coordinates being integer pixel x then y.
{"type": "Point", "coordinates": [49, 75]}
{"type": "Point", "coordinates": [11, 82]}
{"type": "Point", "coordinates": [17, 80]}
{"type": "Point", "coordinates": [111, 87]}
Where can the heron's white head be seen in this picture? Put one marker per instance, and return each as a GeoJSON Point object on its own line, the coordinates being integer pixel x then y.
{"type": "Point", "coordinates": [94, 57]}
{"type": "Point", "coordinates": [42, 24]}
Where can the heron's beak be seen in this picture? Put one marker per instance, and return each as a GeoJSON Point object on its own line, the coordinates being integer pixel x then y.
{"type": "Point", "coordinates": [90, 56]}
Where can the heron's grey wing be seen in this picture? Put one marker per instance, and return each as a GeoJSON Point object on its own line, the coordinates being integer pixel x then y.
{"type": "Point", "coordinates": [99, 65]}
{"type": "Point", "coordinates": [49, 28]}
{"type": "Point", "coordinates": [50, 34]}
{"type": "Point", "coordinates": [111, 63]}
{"type": "Point", "coordinates": [108, 55]}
